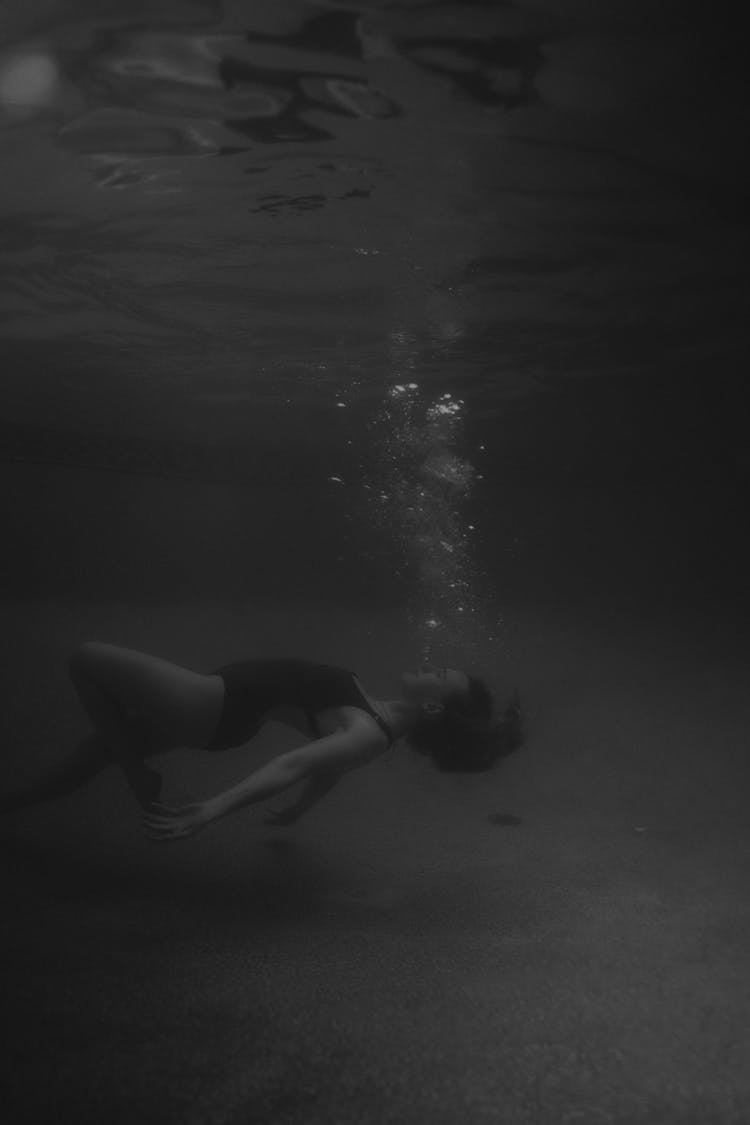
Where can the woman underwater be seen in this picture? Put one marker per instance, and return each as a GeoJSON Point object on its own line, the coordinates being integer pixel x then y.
{"type": "Point", "coordinates": [141, 705]}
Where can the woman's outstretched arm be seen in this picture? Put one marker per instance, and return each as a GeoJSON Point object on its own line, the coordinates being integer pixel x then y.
{"type": "Point", "coordinates": [337, 753]}
{"type": "Point", "coordinates": [315, 790]}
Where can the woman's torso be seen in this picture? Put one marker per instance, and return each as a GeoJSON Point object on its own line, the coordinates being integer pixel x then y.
{"type": "Point", "coordinates": [327, 721]}
{"type": "Point", "coordinates": [316, 699]}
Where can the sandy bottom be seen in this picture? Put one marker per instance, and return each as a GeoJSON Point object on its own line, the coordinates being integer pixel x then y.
{"type": "Point", "coordinates": [566, 940]}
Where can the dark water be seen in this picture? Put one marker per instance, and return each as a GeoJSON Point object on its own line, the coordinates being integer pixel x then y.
{"type": "Point", "coordinates": [355, 332]}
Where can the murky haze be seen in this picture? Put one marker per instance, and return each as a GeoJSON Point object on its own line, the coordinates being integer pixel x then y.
{"type": "Point", "coordinates": [361, 332]}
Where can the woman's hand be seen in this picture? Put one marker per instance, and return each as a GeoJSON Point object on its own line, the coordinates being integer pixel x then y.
{"type": "Point", "coordinates": [280, 818]}
{"type": "Point", "coordinates": [165, 824]}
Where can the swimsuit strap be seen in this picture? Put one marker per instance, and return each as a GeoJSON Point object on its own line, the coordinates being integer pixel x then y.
{"type": "Point", "coordinates": [384, 727]}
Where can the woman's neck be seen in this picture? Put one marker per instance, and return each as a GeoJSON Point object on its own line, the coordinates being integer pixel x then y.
{"type": "Point", "coordinates": [399, 714]}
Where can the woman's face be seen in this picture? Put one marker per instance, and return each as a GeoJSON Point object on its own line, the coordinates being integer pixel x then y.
{"type": "Point", "coordinates": [431, 684]}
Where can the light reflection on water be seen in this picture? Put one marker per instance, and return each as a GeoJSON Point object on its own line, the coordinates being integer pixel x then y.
{"type": "Point", "coordinates": [237, 218]}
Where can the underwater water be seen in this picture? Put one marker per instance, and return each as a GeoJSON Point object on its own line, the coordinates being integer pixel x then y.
{"type": "Point", "coordinates": [369, 332]}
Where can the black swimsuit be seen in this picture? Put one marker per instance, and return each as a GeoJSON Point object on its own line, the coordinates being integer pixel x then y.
{"type": "Point", "coordinates": [255, 687]}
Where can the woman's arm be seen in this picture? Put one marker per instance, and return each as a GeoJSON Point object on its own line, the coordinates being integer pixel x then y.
{"type": "Point", "coordinates": [336, 753]}
{"type": "Point", "coordinates": [316, 788]}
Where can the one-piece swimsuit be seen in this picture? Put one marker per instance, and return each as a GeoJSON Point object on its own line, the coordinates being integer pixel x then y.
{"type": "Point", "coordinates": [253, 688]}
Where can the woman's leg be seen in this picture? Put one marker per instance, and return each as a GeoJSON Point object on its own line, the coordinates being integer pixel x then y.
{"type": "Point", "coordinates": [142, 705]}
{"type": "Point", "coordinates": [123, 744]}
{"type": "Point", "coordinates": [84, 763]}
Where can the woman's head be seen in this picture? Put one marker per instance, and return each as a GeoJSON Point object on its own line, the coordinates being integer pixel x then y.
{"type": "Point", "coordinates": [455, 726]}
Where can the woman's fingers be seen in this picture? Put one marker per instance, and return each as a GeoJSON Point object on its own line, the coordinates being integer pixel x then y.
{"type": "Point", "coordinates": [166, 814]}
{"type": "Point", "coordinates": [163, 823]}
{"type": "Point", "coordinates": [163, 826]}
{"type": "Point", "coordinates": [165, 835]}
{"type": "Point", "coordinates": [280, 820]}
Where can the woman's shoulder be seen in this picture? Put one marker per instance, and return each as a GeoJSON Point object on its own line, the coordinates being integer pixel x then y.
{"type": "Point", "coordinates": [361, 727]}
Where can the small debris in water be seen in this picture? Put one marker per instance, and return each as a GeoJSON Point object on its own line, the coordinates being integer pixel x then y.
{"type": "Point", "coordinates": [507, 820]}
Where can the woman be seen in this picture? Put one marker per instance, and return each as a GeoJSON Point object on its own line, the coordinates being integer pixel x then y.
{"type": "Point", "coordinates": [142, 705]}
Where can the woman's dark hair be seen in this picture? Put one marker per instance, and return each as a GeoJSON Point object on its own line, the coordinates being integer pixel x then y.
{"type": "Point", "coordinates": [465, 737]}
